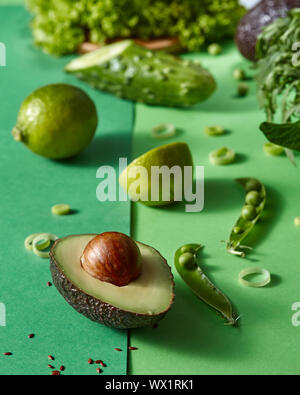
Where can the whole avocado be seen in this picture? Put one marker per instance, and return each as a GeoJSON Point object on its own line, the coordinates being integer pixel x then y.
{"type": "Point", "coordinates": [256, 19]}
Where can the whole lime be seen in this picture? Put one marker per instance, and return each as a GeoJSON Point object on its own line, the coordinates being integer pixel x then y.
{"type": "Point", "coordinates": [56, 121]}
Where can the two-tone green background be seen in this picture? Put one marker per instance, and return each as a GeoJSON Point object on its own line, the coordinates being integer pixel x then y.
{"type": "Point", "coordinates": [191, 340]}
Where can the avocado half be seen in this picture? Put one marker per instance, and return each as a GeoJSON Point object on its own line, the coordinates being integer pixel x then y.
{"type": "Point", "coordinates": [141, 303]}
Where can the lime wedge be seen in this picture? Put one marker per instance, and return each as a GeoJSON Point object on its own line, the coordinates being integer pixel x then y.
{"type": "Point", "coordinates": [157, 178]}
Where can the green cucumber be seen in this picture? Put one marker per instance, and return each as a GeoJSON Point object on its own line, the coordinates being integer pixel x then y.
{"type": "Point", "coordinates": [132, 72]}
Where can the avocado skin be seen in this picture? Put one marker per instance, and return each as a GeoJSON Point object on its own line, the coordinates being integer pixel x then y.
{"type": "Point", "coordinates": [98, 311]}
{"type": "Point", "coordinates": [252, 24]}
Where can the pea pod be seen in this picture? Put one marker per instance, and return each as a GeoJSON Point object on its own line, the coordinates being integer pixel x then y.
{"type": "Point", "coordinates": [254, 205]}
{"type": "Point", "coordinates": [186, 263]}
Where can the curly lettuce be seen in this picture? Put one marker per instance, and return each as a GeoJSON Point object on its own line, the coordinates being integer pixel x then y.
{"type": "Point", "coordinates": [278, 80]}
{"type": "Point", "coordinates": [60, 26]}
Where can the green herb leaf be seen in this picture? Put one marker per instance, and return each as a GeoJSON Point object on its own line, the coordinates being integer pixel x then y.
{"type": "Point", "coordinates": [278, 81]}
{"type": "Point", "coordinates": [287, 135]}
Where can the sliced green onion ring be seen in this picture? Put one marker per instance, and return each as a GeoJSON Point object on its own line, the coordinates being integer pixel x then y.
{"type": "Point", "coordinates": [214, 131]}
{"type": "Point", "coordinates": [222, 156]}
{"type": "Point", "coordinates": [164, 131]}
{"type": "Point", "coordinates": [255, 284]}
{"type": "Point", "coordinates": [28, 241]}
{"type": "Point", "coordinates": [273, 149]}
{"type": "Point", "coordinates": [41, 246]}
{"type": "Point", "coordinates": [297, 221]}
{"type": "Point", "coordinates": [61, 209]}
{"type": "Point", "coordinates": [45, 237]}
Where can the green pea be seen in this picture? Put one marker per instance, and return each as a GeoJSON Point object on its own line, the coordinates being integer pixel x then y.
{"type": "Point", "coordinates": [214, 49]}
{"type": "Point", "coordinates": [188, 260]}
{"type": "Point", "coordinates": [239, 74]}
{"type": "Point", "coordinates": [253, 198]}
{"type": "Point", "coordinates": [253, 185]}
{"type": "Point", "coordinates": [243, 89]}
{"type": "Point", "coordinates": [237, 230]}
{"type": "Point", "coordinates": [249, 212]}
{"type": "Point", "coordinates": [186, 248]}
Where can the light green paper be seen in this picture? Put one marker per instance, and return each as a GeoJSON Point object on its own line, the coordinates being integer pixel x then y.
{"type": "Point", "coordinates": [192, 339]}
{"type": "Point", "coordinates": [30, 186]}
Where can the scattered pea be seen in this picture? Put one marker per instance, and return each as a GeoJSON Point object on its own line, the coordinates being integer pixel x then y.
{"type": "Point", "coordinates": [253, 198]}
{"type": "Point", "coordinates": [239, 75]}
{"type": "Point", "coordinates": [243, 89]}
{"type": "Point", "coordinates": [214, 49]}
{"type": "Point", "coordinates": [249, 212]}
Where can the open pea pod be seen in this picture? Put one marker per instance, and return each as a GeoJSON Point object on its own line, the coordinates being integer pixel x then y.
{"type": "Point", "coordinates": [255, 202]}
{"type": "Point", "coordinates": [186, 263]}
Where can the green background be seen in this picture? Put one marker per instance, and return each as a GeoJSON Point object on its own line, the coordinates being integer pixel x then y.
{"type": "Point", "coordinates": [30, 187]}
{"type": "Point", "coordinates": [192, 339]}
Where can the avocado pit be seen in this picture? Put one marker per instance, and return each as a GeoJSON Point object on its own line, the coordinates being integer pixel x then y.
{"type": "Point", "coordinates": [112, 257]}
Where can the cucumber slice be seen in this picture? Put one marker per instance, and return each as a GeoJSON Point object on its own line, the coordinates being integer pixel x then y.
{"type": "Point", "coordinates": [98, 56]}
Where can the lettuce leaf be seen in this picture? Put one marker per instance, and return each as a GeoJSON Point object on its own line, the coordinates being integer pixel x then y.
{"type": "Point", "coordinates": [60, 26]}
{"type": "Point", "coordinates": [278, 80]}
{"type": "Point", "coordinates": [286, 134]}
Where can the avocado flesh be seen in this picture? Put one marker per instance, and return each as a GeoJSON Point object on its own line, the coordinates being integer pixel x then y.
{"type": "Point", "coordinates": [140, 303]}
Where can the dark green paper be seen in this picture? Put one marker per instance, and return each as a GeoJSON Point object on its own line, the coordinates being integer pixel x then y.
{"type": "Point", "coordinates": [30, 185]}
